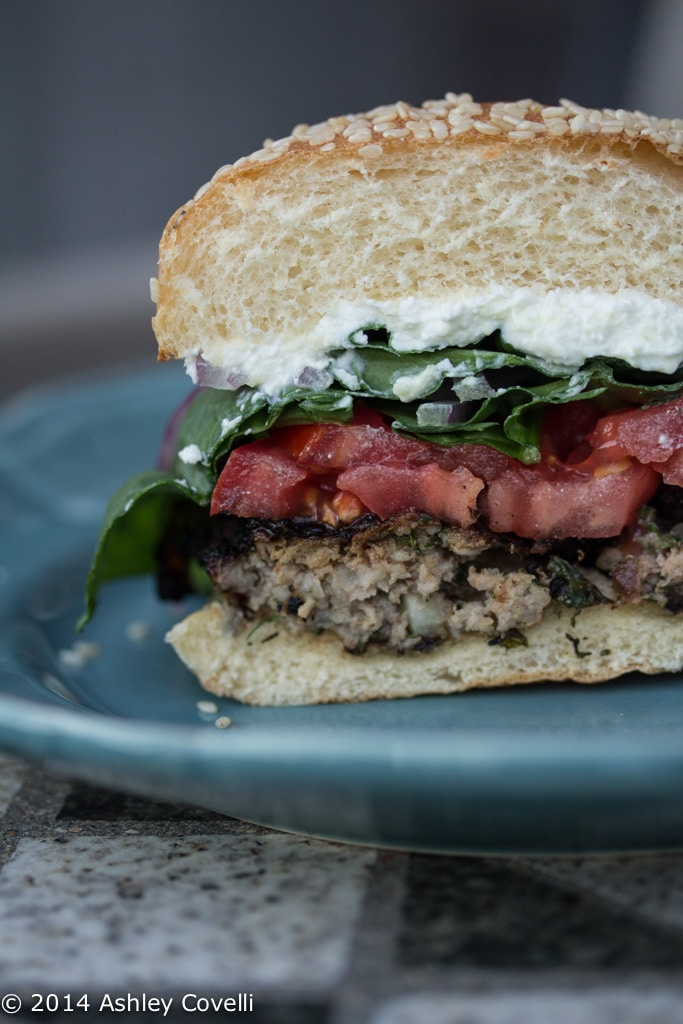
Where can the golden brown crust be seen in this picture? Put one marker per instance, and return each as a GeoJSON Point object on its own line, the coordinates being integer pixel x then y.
{"type": "Point", "coordinates": [207, 292]}
{"type": "Point", "coordinates": [457, 119]}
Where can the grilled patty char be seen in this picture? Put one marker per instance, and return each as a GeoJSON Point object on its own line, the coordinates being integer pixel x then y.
{"type": "Point", "coordinates": [410, 582]}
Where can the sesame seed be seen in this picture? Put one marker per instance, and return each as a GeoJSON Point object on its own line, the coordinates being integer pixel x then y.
{"type": "Point", "coordinates": [419, 129]}
{"type": "Point", "coordinates": [550, 113]}
{"type": "Point", "coordinates": [320, 134]}
{"type": "Point", "coordinates": [531, 126]}
{"type": "Point", "coordinates": [395, 133]}
{"type": "Point", "coordinates": [484, 128]}
{"type": "Point", "coordinates": [461, 128]}
{"type": "Point", "coordinates": [504, 122]}
{"type": "Point", "coordinates": [222, 170]}
{"type": "Point", "coordinates": [207, 707]}
{"type": "Point", "coordinates": [473, 109]}
{"type": "Point", "coordinates": [557, 127]}
{"type": "Point", "coordinates": [223, 722]}
{"type": "Point", "coordinates": [455, 118]}
{"type": "Point", "coordinates": [137, 631]}
{"type": "Point", "coordinates": [356, 124]}
{"type": "Point", "coordinates": [575, 108]}
{"type": "Point", "coordinates": [458, 114]}
{"type": "Point", "coordinates": [200, 191]}
{"type": "Point", "coordinates": [439, 129]}
{"type": "Point", "coordinates": [260, 154]}
{"type": "Point", "coordinates": [578, 124]}
{"type": "Point", "coordinates": [362, 135]}
{"type": "Point", "coordinates": [611, 128]}
{"type": "Point", "coordinates": [383, 114]}
{"type": "Point", "coordinates": [371, 151]}
{"type": "Point", "coordinates": [437, 110]}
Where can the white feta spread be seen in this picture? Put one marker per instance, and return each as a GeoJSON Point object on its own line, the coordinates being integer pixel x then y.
{"type": "Point", "coordinates": [191, 455]}
{"type": "Point", "coordinates": [227, 425]}
{"type": "Point", "coordinates": [562, 326]}
{"type": "Point", "coordinates": [410, 387]}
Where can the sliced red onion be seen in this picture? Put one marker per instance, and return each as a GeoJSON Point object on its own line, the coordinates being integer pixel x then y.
{"type": "Point", "coordinates": [440, 414]}
{"type": "Point", "coordinates": [473, 388]}
{"type": "Point", "coordinates": [208, 376]}
{"type": "Point", "coordinates": [314, 377]}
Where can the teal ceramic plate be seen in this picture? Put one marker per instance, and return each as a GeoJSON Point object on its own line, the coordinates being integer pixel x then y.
{"type": "Point", "coordinates": [526, 770]}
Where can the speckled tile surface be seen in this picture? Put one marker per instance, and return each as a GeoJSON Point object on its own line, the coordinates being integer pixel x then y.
{"type": "Point", "coordinates": [271, 910]}
{"type": "Point", "coordinates": [145, 909]}
{"type": "Point", "coordinates": [630, 1006]}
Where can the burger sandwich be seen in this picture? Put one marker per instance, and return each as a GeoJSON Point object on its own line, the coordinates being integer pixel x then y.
{"type": "Point", "coordinates": [436, 436]}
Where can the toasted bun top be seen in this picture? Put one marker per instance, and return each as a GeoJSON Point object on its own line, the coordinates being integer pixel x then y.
{"type": "Point", "coordinates": [560, 226]}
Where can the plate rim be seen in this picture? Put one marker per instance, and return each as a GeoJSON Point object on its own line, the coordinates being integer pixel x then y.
{"type": "Point", "coordinates": [488, 759]}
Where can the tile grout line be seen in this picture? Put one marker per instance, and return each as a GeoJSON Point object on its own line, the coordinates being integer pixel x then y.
{"type": "Point", "coordinates": [364, 987]}
{"type": "Point", "coordinates": [33, 810]}
{"type": "Point", "coordinates": [595, 888]}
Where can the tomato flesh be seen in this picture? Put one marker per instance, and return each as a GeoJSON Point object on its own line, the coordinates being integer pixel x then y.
{"type": "Point", "coordinates": [595, 473]}
{"type": "Point", "coordinates": [531, 502]}
{"type": "Point", "coordinates": [260, 481]}
{"type": "Point", "coordinates": [672, 469]}
{"type": "Point", "coordinates": [328, 446]}
{"type": "Point", "coordinates": [651, 435]}
{"type": "Point", "coordinates": [577, 489]}
{"type": "Point", "coordinates": [389, 489]}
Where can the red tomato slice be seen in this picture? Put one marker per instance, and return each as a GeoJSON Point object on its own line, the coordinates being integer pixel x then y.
{"type": "Point", "coordinates": [449, 495]}
{"type": "Point", "coordinates": [259, 480]}
{"type": "Point", "coordinates": [332, 446]}
{"type": "Point", "coordinates": [672, 469]}
{"type": "Point", "coordinates": [387, 490]}
{"type": "Point", "coordinates": [593, 476]}
{"type": "Point", "coordinates": [649, 435]}
{"type": "Point", "coordinates": [574, 491]}
{"type": "Point", "coordinates": [482, 461]}
{"type": "Point", "coordinates": [532, 502]}
{"type": "Point", "coordinates": [326, 446]}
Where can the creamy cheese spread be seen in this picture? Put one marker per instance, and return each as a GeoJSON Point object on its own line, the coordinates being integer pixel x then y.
{"type": "Point", "coordinates": [191, 455]}
{"type": "Point", "coordinates": [562, 326]}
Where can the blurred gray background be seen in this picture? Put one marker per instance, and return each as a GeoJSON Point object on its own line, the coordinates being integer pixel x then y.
{"type": "Point", "coordinates": [113, 112]}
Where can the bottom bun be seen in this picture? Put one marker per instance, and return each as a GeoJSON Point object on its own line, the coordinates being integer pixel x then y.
{"type": "Point", "coordinates": [267, 664]}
